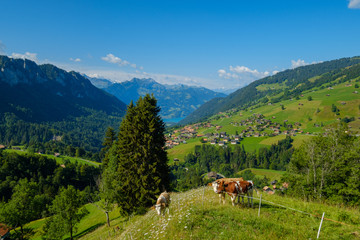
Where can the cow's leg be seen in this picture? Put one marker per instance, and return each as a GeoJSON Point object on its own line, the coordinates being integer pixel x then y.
{"type": "Point", "coordinates": [220, 197]}
{"type": "Point", "coordinates": [252, 200]}
{"type": "Point", "coordinates": [223, 197]}
{"type": "Point", "coordinates": [233, 198]}
{"type": "Point", "coordinates": [242, 196]}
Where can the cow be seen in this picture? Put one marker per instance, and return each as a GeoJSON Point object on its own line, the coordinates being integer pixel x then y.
{"type": "Point", "coordinates": [234, 189]}
{"type": "Point", "coordinates": [162, 202]}
{"type": "Point", "coordinates": [222, 194]}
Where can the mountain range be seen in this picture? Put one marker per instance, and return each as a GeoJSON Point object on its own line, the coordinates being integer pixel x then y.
{"type": "Point", "coordinates": [40, 101]}
{"type": "Point", "coordinates": [175, 101]}
{"type": "Point", "coordinates": [39, 93]}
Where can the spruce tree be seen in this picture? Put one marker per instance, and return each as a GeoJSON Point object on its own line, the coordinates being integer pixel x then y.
{"type": "Point", "coordinates": [110, 137]}
{"type": "Point", "coordinates": [139, 157]}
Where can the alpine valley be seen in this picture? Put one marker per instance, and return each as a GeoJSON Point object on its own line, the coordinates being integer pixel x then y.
{"type": "Point", "coordinates": [175, 101]}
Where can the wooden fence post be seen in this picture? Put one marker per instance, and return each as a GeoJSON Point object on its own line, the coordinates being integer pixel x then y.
{"type": "Point", "coordinates": [203, 197]}
{"type": "Point", "coordinates": [259, 206]}
{"type": "Point", "coordinates": [320, 224]}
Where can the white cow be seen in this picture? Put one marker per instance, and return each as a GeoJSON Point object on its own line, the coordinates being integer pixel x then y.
{"type": "Point", "coordinates": [162, 202]}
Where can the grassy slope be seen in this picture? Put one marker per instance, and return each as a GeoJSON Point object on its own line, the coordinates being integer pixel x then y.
{"type": "Point", "coordinates": [271, 174]}
{"type": "Point", "coordinates": [194, 216]}
{"type": "Point", "coordinates": [61, 159]}
{"type": "Point", "coordinates": [307, 114]}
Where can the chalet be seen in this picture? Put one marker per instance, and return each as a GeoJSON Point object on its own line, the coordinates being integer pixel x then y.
{"type": "Point", "coordinates": [16, 148]}
{"type": "Point", "coordinates": [213, 142]}
{"type": "Point", "coordinates": [343, 103]}
{"type": "Point", "coordinates": [226, 139]}
{"type": "Point", "coordinates": [4, 231]}
{"type": "Point", "coordinates": [212, 175]}
{"type": "Point", "coordinates": [176, 160]}
{"type": "Point", "coordinates": [2, 147]}
{"type": "Point", "coordinates": [234, 142]}
{"type": "Point", "coordinates": [237, 138]}
{"type": "Point", "coordinates": [221, 143]}
{"type": "Point", "coordinates": [268, 190]}
{"type": "Point", "coordinates": [222, 134]}
{"type": "Point", "coordinates": [256, 135]}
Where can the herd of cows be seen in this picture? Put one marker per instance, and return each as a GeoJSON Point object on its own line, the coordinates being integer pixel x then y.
{"type": "Point", "coordinates": [234, 187]}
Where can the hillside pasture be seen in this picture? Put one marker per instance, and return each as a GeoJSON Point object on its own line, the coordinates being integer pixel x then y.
{"type": "Point", "coordinates": [60, 159]}
{"type": "Point", "coordinates": [271, 174]}
{"type": "Point", "coordinates": [197, 214]}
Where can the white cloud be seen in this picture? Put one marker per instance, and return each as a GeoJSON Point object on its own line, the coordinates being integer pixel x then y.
{"type": "Point", "coordinates": [298, 63]}
{"type": "Point", "coordinates": [240, 76]}
{"type": "Point", "coordinates": [27, 55]}
{"type": "Point", "coordinates": [354, 4]}
{"type": "Point", "coordinates": [110, 58]}
{"type": "Point", "coordinates": [75, 60]}
{"type": "Point", "coordinates": [275, 72]}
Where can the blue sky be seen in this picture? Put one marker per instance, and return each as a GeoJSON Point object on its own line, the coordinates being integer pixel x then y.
{"type": "Point", "coordinates": [215, 44]}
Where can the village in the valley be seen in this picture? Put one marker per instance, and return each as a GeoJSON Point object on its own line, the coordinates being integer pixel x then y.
{"type": "Point", "coordinates": [255, 126]}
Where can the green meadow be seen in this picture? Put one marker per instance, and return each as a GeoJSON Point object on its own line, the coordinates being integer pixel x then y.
{"type": "Point", "coordinates": [197, 214]}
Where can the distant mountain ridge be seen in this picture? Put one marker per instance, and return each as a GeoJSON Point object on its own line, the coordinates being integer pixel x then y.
{"type": "Point", "coordinates": [176, 101]}
{"type": "Point", "coordinates": [294, 80]}
{"type": "Point", "coordinates": [46, 93]}
{"type": "Point", "coordinates": [40, 103]}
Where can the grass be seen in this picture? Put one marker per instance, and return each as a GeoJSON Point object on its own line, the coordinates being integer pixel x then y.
{"type": "Point", "coordinates": [182, 150]}
{"type": "Point", "coordinates": [61, 159]}
{"type": "Point", "coordinates": [271, 174]}
{"type": "Point", "coordinates": [95, 219]}
{"type": "Point", "coordinates": [197, 214]}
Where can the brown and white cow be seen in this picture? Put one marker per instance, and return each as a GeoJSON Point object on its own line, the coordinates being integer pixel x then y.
{"type": "Point", "coordinates": [162, 202]}
{"type": "Point", "coordinates": [216, 183]}
{"type": "Point", "coordinates": [234, 189]}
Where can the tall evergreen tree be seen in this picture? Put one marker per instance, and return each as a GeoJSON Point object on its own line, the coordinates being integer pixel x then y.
{"type": "Point", "coordinates": [139, 157]}
{"type": "Point", "coordinates": [110, 138]}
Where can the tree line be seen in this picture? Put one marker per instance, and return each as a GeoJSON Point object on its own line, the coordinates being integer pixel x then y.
{"type": "Point", "coordinates": [327, 168]}
{"type": "Point", "coordinates": [29, 185]}
{"type": "Point", "coordinates": [229, 162]}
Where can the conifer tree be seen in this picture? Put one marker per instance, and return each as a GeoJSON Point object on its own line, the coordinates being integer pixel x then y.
{"type": "Point", "coordinates": [110, 138]}
{"type": "Point", "coordinates": [139, 157]}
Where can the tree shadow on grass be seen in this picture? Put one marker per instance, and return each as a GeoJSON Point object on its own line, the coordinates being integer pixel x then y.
{"type": "Point", "coordinates": [86, 231]}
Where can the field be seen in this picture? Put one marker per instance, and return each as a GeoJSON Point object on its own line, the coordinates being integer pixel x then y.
{"type": "Point", "coordinates": [197, 214]}
{"type": "Point", "coordinates": [271, 174]}
{"type": "Point", "coordinates": [313, 115]}
{"type": "Point", "coordinates": [61, 159]}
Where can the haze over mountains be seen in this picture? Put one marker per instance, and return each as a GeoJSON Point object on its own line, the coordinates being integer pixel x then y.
{"type": "Point", "coordinates": [176, 101]}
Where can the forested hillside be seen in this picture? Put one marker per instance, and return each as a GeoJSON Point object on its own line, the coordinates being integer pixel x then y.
{"type": "Point", "coordinates": [40, 103]}
{"type": "Point", "coordinates": [294, 81]}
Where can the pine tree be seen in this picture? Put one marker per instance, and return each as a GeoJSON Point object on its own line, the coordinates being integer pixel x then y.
{"type": "Point", "coordinates": [110, 138]}
{"type": "Point", "coordinates": [139, 157]}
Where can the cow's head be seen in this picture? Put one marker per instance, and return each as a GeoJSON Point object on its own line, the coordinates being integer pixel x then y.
{"type": "Point", "coordinates": [218, 186]}
{"type": "Point", "coordinates": [158, 207]}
